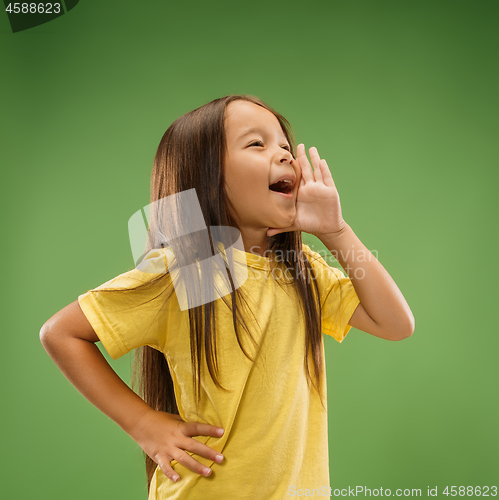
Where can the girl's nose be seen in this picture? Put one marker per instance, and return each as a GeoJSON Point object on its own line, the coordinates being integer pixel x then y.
{"type": "Point", "coordinates": [286, 155]}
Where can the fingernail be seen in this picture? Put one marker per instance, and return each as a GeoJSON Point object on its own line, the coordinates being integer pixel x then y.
{"type": "Point", "coordinates": [207, 472]}
{"type": "Point", "coordinates": [219, 457]}
{"type": "Point", "coordinates": [220, 432]}
{"type": "Point", "coordinates": [175, 477]}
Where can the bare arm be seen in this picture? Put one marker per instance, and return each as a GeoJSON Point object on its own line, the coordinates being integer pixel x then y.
{"type": "Point", "coordinates": [383, 310]}
{"type": "Point", "coordinates": [70, 340]}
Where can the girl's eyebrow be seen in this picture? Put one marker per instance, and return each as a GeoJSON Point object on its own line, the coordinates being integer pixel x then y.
{"type": "Point", "coordinates": [251, 131]}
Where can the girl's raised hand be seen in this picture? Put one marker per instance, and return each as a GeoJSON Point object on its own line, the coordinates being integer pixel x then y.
{"type": "Point", "coordinates": [318, 209]}
{"type": "Point", "coordinates": [165, 437]}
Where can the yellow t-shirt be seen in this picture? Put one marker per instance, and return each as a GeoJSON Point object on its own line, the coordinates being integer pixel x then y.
{"type": "Point", "coordinates": [275, 439]}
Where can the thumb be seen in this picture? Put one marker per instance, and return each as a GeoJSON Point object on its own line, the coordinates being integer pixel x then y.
{"type": "Point", "coordinates": [272, 231]}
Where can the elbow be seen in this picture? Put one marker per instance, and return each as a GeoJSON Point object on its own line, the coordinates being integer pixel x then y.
{"type": "Point", "coordinates": [47, 329]}
{"type": "Point", "coordinates": [43, 335]}
{"type": "Point", "coordinates": [406, 331]}
{"type": "Point", "coordinates": [412, 325]}
{"type": "Point", "coordinates": [402, 335]}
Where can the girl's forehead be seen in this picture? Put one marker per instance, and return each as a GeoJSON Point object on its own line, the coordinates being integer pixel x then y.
{"type": "Point", "coordinates": [243, 116]}
{"type": "Point", "coordinates": [238, 112]}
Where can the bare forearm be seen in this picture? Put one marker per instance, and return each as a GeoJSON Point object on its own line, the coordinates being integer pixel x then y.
{"type": "Point", "coordinates": [86, 368]}
{"type": "Point", "coordinates": [378, 293]}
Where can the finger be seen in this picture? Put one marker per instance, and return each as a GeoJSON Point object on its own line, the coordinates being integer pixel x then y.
{"type": "Point", "coordinates": [326, 175]}
{"type": "Point", "coordinates": [204, 450]}
{"type": "Point", "coordinates": [300, 179]}
{"type": "Point", "coordinates": [306, 170]}
{"type": "Point", "coordinates": [166, 468]}
{"type": "Point", "coordinates": [199, 429]}
{"type": "Point", "coordinates": [183, 458]}
{"type": "Point", "coordinates": [272, 231]}
{"type": "Point", "coordinates": [314, 156]}
{"type": "Point", "coordinates": [296, 165]}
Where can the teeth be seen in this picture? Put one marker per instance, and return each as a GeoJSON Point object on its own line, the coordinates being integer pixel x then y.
{"type": "Point", "coordinates": [289, 181]}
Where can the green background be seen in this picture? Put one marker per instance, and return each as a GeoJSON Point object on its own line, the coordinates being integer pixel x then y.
{"type": "Point", "coordinates": [400, 98]}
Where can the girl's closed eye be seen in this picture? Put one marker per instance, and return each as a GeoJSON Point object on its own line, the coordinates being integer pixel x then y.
{"type": "Point", "coordinates": [286, 147]}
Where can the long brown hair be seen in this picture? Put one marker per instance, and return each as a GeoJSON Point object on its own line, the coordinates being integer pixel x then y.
{"type": "Point", "coordinates": [191, 155]}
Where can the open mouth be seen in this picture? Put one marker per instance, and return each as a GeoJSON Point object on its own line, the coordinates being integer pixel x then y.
{"type": "Point", "coordinates": [283, 187]}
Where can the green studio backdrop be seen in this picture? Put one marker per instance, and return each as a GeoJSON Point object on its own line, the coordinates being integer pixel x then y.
{"type": "Point", "coordinates": [401, 100]}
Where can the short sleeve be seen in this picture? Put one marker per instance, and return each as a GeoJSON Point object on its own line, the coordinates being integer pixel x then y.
{"type": "Point", "coordinates": [124, 317]}
{"type": "Point", "coordinates": [338, 296]}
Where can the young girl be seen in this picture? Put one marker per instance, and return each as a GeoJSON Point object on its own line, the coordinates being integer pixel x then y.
{"type": "Point", "coordinates": [233, 390]}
